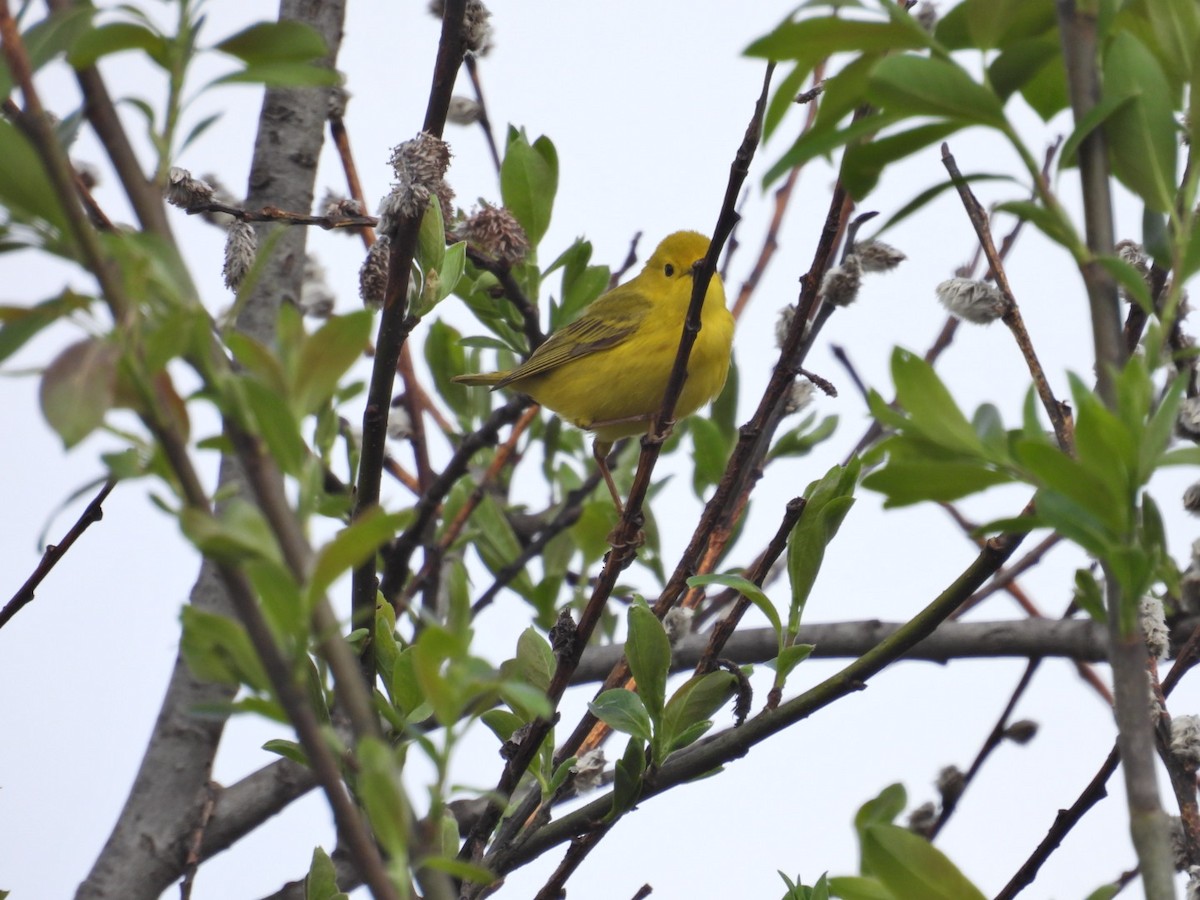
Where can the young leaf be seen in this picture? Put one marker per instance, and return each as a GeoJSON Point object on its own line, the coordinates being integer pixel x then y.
{"type": "Point", "coordinates": [528, 182]}
{"type": "Point", "coordinates": [624, 711]}
{"type": "Point", "coordinates": [921, 86]}
{"type": "Point", "coordinates": [272, 42]}
{"type": "Point", "coordinates": [351, 547]}
{"type": "Point", "coordinates": [694, 703]}
{"type": "Point", "coordinates": [747, 589]}
{"type": "Point", "coordinates": [218, 649]}
{"type": "Point", "coordinates": [18, 324]}
{"type": "Point", "coordinates": [649, 653]}
{"type": "Point", "coordinates": [910, 866]}
{"type": "Point", "coordinates": [382, 795]}
{"type": "Point", "coordinates": [627, 784]}
{"type": "Point", "coordinates": [321, 881]}
{"type": "Point", "coordinates": [535, 659]}
{"type": "Point", "coordinates": [326, 355]}
{"type": "Point", "coordinates": [1141, 135]}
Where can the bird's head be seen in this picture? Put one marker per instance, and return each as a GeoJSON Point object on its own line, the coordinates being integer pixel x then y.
{"type": "Point", "coordinates": [677, 256]}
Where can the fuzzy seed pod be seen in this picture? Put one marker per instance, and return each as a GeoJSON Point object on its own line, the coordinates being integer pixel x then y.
{"type": "Point", "coordinates": [972, 301]}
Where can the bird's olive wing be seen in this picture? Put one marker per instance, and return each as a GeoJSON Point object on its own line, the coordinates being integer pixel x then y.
{"type": "Point", "coordinates": [608, 322]}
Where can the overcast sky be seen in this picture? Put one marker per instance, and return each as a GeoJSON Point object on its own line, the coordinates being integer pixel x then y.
{"type": "Point", "coordinates": [646, 104]}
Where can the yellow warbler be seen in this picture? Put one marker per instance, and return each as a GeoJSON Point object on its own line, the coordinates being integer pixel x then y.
{"type": "Point", "coordinates": [607, 371]}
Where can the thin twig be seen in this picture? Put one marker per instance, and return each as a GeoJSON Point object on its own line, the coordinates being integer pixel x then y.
{"type": "Point", "coordinates": [92, 513]}
{"type": "Point", "coordinates": [451, 532]}
{"type": "Point", "coordinates": [626, 531]}
{"type": "Point", "coordinates": [513, 293]}
{"type": "Point", "coordinates": [567, 516]}
{"type": "Point", "coordinates": [395, 571]}
{"type": "Point", "coordinates": [484, 122]}
{"type": "Point", "coordinates": [733, 743]}
{"type": "Point", "coordinates": [783, 196]}
{"type": "Point", "coordinates": [630, 260]}
{"type": "Point", "coordinates": [1012, 314]}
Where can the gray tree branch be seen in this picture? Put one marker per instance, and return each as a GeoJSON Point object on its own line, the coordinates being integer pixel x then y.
{"type": "Point", "coordinates": [147, 848]}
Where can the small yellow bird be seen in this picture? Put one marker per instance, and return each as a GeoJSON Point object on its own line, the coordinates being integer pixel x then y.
{"type": "Point", "coordinates": [607, 371]}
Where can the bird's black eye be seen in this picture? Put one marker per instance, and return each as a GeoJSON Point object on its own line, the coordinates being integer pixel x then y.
{"type": "Point", "coordinates": [669, 270]}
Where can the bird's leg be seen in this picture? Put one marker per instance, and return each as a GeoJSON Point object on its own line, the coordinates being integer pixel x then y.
{"type": "Point", "coordinates": [600, 450]}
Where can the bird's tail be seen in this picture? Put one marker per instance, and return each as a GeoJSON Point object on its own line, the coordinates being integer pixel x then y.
{"type": "Point", "coordinates": [480, 379]}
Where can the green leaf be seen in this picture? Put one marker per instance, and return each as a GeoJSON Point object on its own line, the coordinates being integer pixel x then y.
{"type": "Point", "coordinates": [321, 881]}
{"type": "Point", "coordinates": [463, 871]}
{"type": "Point", "coordinates": [288, 750]}
{"type": "Point", "coordinates": [1105, 892]}
{"type": "Point", "coordinates": [282, 74]}
{"type": "Point", "coordinates": [1089, 596]}
{"type": "Point", "coordinates": [1046, 91]}
{"type": "Point", "coordinates": [1108, 105]}
{"type": "Point", "coordinates": [968, 24]}
{"type": "Point", "coordinates": [623, 711]}
{"type": "Point", "coordinates": [881, 809]}
{"type": "Point", "coordinates": [930, 405]}
{"type": "Point", "coordinates": [922, 199]}
{"type": "Point", "coordinates": [326, 355]}
{"type": "Point", "coordinates": [218, 649]}
{"type": "Point", "coordinates": [813, 39]}
{"type": "Point", "coordinates": [909, 866]}
{"type": "Point", "coordinates": [526, 701]}
{"type": "Point", "coordinates": [789, 658]}
{"type": "Point", "coordinates": [431, 237]}
{"type": "Point", "coordinates": [987, 22]}
{"type": "Point", "coordinates": [79, 388]}
{"type": "Point", "coordinates": [535, 659]}
{"type": "Point", "coordinates": [711, 452]}
{"type": "Point", "coordinates": [116, 38]}
{"type": "Point", "coordinates": [628, 772]}
{"type": "Point", "coordinates": [445, 357]}
{"type": "Point", "coordinates": [915, 85]}
{"type": "Point", "coordinates": [696, 701]}
{"type": "Point", "coordinates": [856, 887]}
{"type": "Point", "coordinates": [497, 544]}
{"type": "Point", "coordinates": [25, 190]}
{"type": "Point", "coordinates": [51, 36]}
{"type": "Point", "coordinates": [19, 324]}
{"type": "Point", "coordinates": [649, 653]}
{"type": "Point", "coordinates": [351, 547]}
{"type": "Point", "coordinates": [1042, 219]}
{"type": "Point", "coordinates": [1021, 61]}
{"type": "Point", "coordinates": [747, 589]}
{"type": "Point", "coordinates": [785, 94]}
{"type": "Point", "coordinates": [280, 597]}
{"type": "Point", "coordinates": [1176, 28]}
{"type": "Point", "coordinates": [817, 143]}
{"type": "Point", "coordinates": [1141, 135]}
{"type": "Point", "coordinates": [241, 533]}
{"type": "Point", "coordinates": [454, 264]}
{"type": "Point", "coordinates": [827, 503]}
{"type": "Point", "coordinates": [258, 358]}
{"type": "Point", "coordinates": [275, 423]}
{"type": "Point", "coordinates": [865, 162]}
{"type": "Point", "coordinates": [1130, 279]}
{"type": "Point", "coordinates": [529, 181]}
{"type": "Point", "coordinates": [905, 483]}
{"type": "Point", "coordinates": [382, 795]}
{"type": "Point", "coordinates": [267, 42]}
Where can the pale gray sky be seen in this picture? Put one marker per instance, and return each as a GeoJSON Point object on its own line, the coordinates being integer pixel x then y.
{"type": "Point", "coordinates": [646, 104]}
